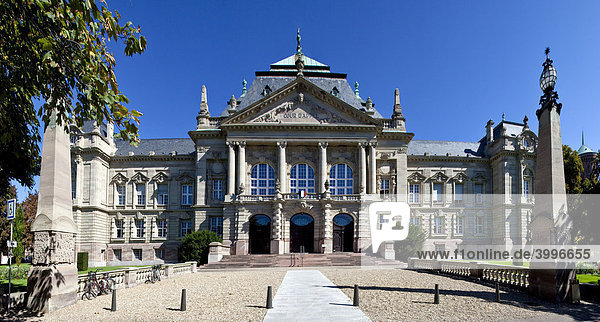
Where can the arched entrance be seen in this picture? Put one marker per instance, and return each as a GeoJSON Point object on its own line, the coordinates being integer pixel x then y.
{"type": "Point", "coordinates": [343, 233]}
{"type": "Point", "coordinates": [302, 233]}
{"type": "Point", "coordinates": [260, 234]}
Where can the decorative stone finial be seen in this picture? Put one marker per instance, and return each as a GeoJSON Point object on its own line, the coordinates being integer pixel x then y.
{"type": "Point", "coordinates": [397, 117]}
{"type": "Point", "coordinates": [369, 104]}
{"type": "Point", "coordinates": [503, 117]}
{"type": "Point", "coordinates": [244, 83]}
{"type": "Point", "coordinates": [356, 89]}
{"type": "Point", "coordinates": [298, 47]}
{"type": "Point", "coordinates": [232, 103]}
{"type": "Point", "coordinates": [396, 97]}
{"type": "Point", "coordinates": [203, 94]}
{"type": "Point", "coordinates": [525, 120]}
{"type": "Point", "coordinates": [202, 118]}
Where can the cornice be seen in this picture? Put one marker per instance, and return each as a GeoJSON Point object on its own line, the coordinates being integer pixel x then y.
{"type": "Point", "coordinates": [447, 158]}
{"type": "Point", "coordinates": [309, 127]}
{"type": "Point", "coordinates": [185, 157]}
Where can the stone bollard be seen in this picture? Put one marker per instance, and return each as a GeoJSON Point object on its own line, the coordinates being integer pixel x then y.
{"type": "Point", "coordinates": [436, 295]}
{"type": "Point", "coordinates": [269, 297]}
{"type": "Point", "coordinates": [355, 301]}
{"type": "Point", "coordinates": [574, 292]}
{"type": "Point", "coordinates": [183, 300]}
{"type": "Point", "coordinates": [113, 306]}
{"type": "Point", "coordinates": [497, 292]}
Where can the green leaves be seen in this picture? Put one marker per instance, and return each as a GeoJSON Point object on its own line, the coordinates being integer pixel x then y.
{"type": "Point", "coordinates": [46, 43]}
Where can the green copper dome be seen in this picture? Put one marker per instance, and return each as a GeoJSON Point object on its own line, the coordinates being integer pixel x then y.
{"type": "Point", "coordinates": [583, 149]}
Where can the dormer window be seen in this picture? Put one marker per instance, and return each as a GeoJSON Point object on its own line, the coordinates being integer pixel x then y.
{"type": "Point", "coordinates": [266, 91]}
{"type": "Point", "coordinates": [335, 92]}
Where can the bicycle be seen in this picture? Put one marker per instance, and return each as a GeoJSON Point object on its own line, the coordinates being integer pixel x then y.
{"type": "Point", "coordinates": [155, 275]}
{"type": "Point", "coordinates": [94, 287]}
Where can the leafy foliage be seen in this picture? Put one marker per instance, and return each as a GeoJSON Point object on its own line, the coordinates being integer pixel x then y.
{"type": "Point", "coordinates": [18, 272]}
{"type": "Point", "coordinates": [19, 231]}
{"type": "Point", "coordinates": [413, 243]}
{"type": "Point", "coordinates": [194, 246]}
{"type": "Point", "coordinates": [5, 223]}
{"type": "Point", "coordinates": [56, 51]}
{"type": "Point", "coordinates": [573, 169]}
{"type": "Point", "coordinates": [82, 261]}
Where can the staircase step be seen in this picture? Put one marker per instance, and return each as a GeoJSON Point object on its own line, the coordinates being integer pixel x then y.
{"type": "Point", "coordinates": [298, 260]}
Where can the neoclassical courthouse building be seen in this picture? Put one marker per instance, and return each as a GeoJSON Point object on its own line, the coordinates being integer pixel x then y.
{"type": "Point", "coordinates": [285, 169]}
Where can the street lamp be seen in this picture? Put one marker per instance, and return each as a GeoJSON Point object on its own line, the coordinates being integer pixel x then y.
{"type": "Point", "coordinates": [548, 77]}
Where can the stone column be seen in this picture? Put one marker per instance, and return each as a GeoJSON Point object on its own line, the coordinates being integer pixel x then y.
{"type": "Point", "coordinates": [327, 229]}
{"type": "Point", "coordinates": [231, 169]}
{"type": "Point", "coordinates": [372, 168]}
{"type": "Point", "coordinates": [277, 244]}
{"type": "Point", "coordinates": [52, 281]}
{"type": "Point", "coordinates": [201, 175]}
{"type": "Point", "coordinates": [282, 167]}
{"type": "Point", "coordinates": [550, 224]}
{"type": "Point", "coordinates": [241, 167]}
{"type": "Point", "coordinates": [322, 166]}
{"type": "Point", "coordinates": [362, 168]}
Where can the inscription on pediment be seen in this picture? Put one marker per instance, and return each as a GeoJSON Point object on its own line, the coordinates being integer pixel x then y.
{"type": "Point", "coordinates": [300, 110]}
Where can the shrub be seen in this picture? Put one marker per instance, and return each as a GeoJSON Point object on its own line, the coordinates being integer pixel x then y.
{"type": "Point", "coordinates": [82, 261]}
{"type": "Point", "coordinates": [194, 246]}
{"type": "Point", "coordinates": [413, 242]}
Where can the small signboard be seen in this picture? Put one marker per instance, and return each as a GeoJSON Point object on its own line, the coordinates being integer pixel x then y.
{"type": "Point", "coordinates": [11, 244]}
{"type": "Point", "coordinates": [11, 207]}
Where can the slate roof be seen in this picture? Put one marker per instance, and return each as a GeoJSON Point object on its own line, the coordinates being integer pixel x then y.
{"type": "Point", "coordinates": [159, 146]}
{"type": "Point", "coordinates": [455, 148]}
{"type": "Point", "coordinates": [279, 76]}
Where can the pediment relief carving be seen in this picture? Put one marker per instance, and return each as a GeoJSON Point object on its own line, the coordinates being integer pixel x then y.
{"type": "Point", "coordinates": [160, 177]}
{"type": "Point", "coordinates": [185, 178]}
{"type": "Point", "coordinates": [416, 177]}
{"type": "Point", "coordinates": [139, 178]}
{"type": "Point", "coordinates": [479, 178]}
{"type": "Point", "coordinates": [300, 109]}
{"type": "Point", "coordinates": [460, 177]}
{"type": "Point", "coordinates": [119, 178]}
{"type": "Point", "coordinates": [439, 177]}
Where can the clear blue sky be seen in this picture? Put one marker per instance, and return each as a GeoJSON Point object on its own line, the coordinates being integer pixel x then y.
{"type": "Point", "coordinates": [457, 63]}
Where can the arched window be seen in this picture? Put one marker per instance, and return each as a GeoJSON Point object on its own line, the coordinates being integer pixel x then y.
{"type": "Point", "coordinates": [302, 178]}
{"type": "Point", "coordinates": [262, 180]}
{"type": "Point", "coordinates": [340, 180]}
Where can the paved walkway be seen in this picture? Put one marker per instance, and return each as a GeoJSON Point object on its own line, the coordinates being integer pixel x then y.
{"type": "Point", "coordinates": [307, 295]}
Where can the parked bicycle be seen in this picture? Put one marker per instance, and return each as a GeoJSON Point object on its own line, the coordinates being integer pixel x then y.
{"type": "Point", "coordinates": [94, 286]}
{"type": "Point", "coordinates": [155, 275]}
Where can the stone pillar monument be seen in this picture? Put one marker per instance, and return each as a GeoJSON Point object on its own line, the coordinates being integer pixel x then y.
{"type": "Point", "coordinates": [52, 281]}
{"type": "Point", "coordinates": [550, 224]}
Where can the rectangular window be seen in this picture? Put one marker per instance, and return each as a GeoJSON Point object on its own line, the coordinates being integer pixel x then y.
{"type": "Point", "coordinates": [384, 188]}
{"type": "Point", "coordinates": [413, 193]}
{"type": "Point", "coordinates": [74, 187]}
{"type": "Point", "coordinates": [119, 227]}
{"type": "Point", "coordinates": [137, 254]}
{"type": "Point", "coordinates": [460, 225]}
{"type": "Point", "coordinates": [437, 192]}
{"type": "Point", "coordinates": [479, 225]}
{"type": "Point", "coordinates": [478, 193]}
{"type": "Point", "coordinates": [217, 190]}
{"type": "Point", "coordinates": [527, 189]}
{"type": "Point", "coordinates": [458, 192]}
{"type": "Point", "coordinates": [118, 254]}
{"type": "Point", "coordinates": [187, 195]}
{"type": "Point", "coordinates": [186, 228]}
{"type": "Point", "coordinates": [140, 190]}
{"type": "Point", "coordinates": [415, 221]}
{"type": "Point", "coordinates": [438, 225]}
{"type": "Point", "coordinates": [162, 194]}
{"type": "Point", "coordinates": [121, 194]}
{"type": "Point", "coordinates": [216, 225]}
{"type": "Point", "coordinates": [139, 228]}
{"type": "Point", "coordinates": [159, 253]}
{"type": "Point", "coordinates": [162, 228]}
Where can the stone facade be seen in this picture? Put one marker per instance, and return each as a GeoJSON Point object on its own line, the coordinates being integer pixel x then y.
{"type": "Point", "coordinates": [286, 133]}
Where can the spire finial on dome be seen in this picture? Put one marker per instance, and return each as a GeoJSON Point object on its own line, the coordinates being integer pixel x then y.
{"type": "Point", "coordinates": [298, 47]}
{"type": "Point", "coordinates": [244, 91]}
{"type": "Point", "coordinates": [582, 139]}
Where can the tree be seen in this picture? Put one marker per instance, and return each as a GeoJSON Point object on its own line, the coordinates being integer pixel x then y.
{"type": "Point", "coordinates": [18, 233]}
{"type": "Point", "coordinates": [573, 169]}
{"type": "Point", "coordinates": [29, 206]}
{"type": "Point", "coordinates": [56, 51]}
{"type": "Point", "coordinates": [413, 243]}
{"type": "Point", "coordinates": [194, 246]}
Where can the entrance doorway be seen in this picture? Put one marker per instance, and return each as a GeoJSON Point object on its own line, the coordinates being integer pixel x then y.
{"type": "Point", "coordinates": [343, 233]}
{"type": "Point", "coordinates": [260, 234]}
{"type": "Point", "coordinates": [302, 233]}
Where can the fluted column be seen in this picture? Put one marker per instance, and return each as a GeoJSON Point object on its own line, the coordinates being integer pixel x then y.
{"type": "Point", "coordinates": [282, 167]}
{"type": "Point", "coordinates": [242, 167]}
{"type": "Point", "coordinates": [362, 168]}
{"type": "Point", "coordinates": [322, 166]}
{"type": "Point", "coordinates": [231, 170]}
{"type": "Point", "coordinates": [372, 168]}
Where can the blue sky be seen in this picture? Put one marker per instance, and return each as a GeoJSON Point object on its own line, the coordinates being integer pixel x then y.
{"type": "Point", "coordinates": [457, 63]}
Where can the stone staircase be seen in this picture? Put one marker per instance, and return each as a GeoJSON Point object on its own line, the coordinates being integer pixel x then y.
{"type": "Point", "coordinates": [300, 260]}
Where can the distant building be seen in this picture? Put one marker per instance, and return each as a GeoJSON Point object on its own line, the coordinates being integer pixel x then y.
{"type": "Point", "coordinates": [588, 158]}
{"type": "Point", "coordinates": [283, 169]}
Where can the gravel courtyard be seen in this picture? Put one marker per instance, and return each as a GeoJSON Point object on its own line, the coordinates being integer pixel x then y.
{"type": "Point", "coordinates": [395, 294]}
{"type": "Point", "coordinates": [211, 296]}
{"type": "Point", "coordinates": [385, 295]}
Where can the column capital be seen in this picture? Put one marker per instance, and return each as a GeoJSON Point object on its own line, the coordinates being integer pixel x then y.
{"type": "Point", "coordinates": [282, 144]}
{"type": "Point", "coordinates": [323, 145]}
{"type": "Point", "coordinates": [231, 143]}
{"type": "Point", "coordinates": [241, 144]}
{"type": "Point", "coordinates": [372, 144]}
{"type": "Point", "coordinates": [362, 144]}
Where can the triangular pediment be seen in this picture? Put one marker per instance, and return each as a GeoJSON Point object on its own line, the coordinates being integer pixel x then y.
{"type": "Point", "coordinates": [300, 102]}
